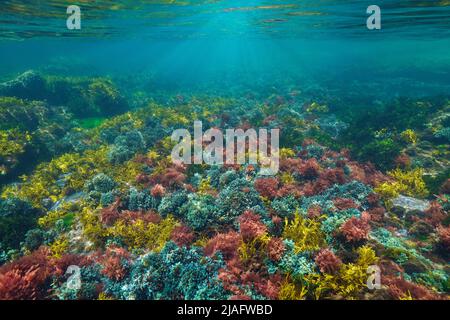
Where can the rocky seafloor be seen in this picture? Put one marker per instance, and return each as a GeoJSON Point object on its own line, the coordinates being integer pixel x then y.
{"type": "Point", "coordinates": [87, 182]}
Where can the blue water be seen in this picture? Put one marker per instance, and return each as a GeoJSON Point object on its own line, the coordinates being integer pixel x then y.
{"type": "Point", "coordinates": [234, 46]}
{"type": "Point", "coordinates": [310, 68]}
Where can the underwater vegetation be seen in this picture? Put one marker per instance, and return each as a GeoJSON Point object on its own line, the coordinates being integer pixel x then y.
{"type": "Point", "coordinates": [403, 129]}
{"type": "Point", "coordinates": [354, 190]}
{"type": "Point", "coordinates": [43, 117]}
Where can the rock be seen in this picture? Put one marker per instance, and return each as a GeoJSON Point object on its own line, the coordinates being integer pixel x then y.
{"type": "Point", "coordinates": [398, 211]}
{"type": "Point", "coordinates": [409, 204]}
{"type": "Point", "coordinates": [377, 294]}
{"type": "Point", "coordinates": [28, 85]}
{"type": "Point", "coordinates": [414, 266]}
{"type": "Point", "coordinates": [47, 203]}
{"type": "Point", "coordinates": [421, 228]}
{"type": "Point", "coordinates": [72, 198]}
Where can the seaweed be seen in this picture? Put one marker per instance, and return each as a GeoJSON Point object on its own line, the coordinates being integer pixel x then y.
{"type": "Point", "coordinates": [107, 198]}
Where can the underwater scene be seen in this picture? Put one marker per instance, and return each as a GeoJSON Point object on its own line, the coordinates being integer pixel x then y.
{"type": "Point", "coordinates": [224, 150]}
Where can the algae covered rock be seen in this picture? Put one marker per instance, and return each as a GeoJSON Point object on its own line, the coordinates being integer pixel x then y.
{"type": "Point", "coordinates": [28, 85]}
{"type": "Point", "coordinates": [16, 218]}
{"type": "Point", "coordinates": [409, 204]}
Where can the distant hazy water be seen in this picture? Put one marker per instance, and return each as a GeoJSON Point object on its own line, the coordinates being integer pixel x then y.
{"type": "Point", "coordinates": [218, 43]}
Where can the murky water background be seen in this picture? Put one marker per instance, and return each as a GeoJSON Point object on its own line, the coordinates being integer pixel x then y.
{"type": "Point", "coordinates": [236, 45]}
